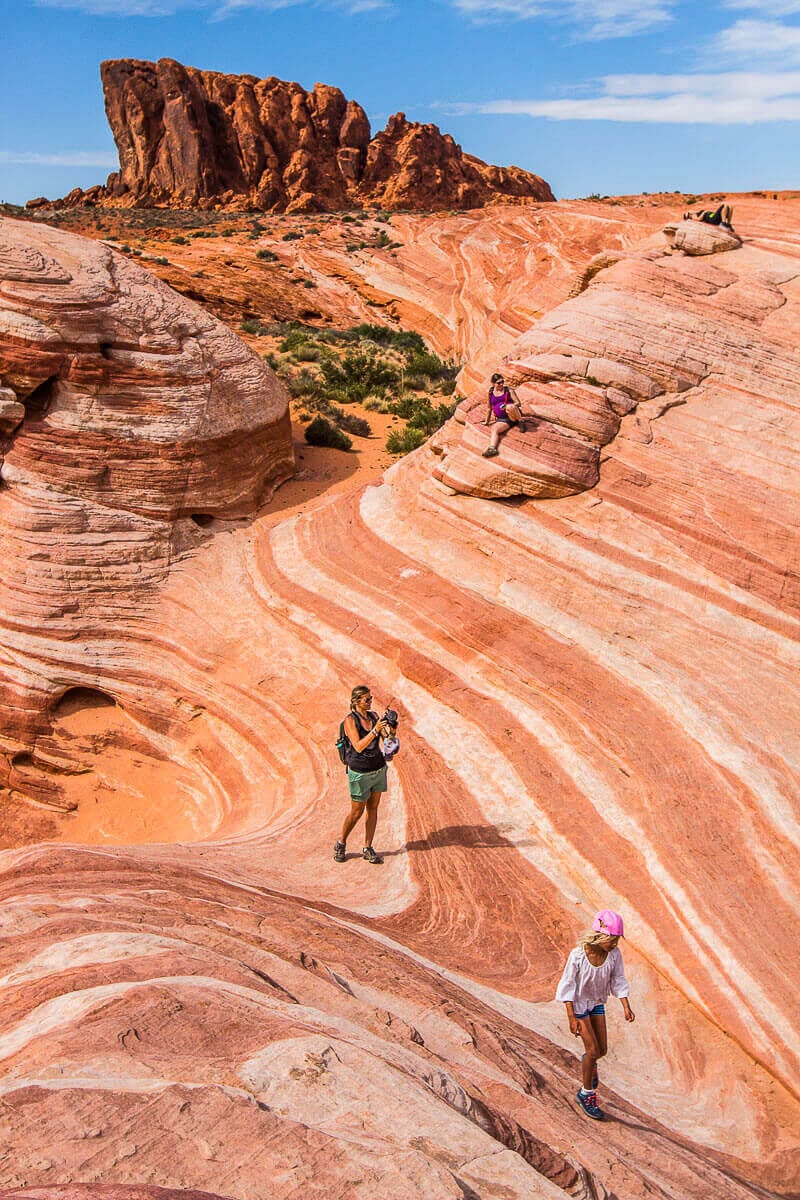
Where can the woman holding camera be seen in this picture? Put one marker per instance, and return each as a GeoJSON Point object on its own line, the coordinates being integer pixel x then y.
{"type": "Point", "coordinates": [366, 771]}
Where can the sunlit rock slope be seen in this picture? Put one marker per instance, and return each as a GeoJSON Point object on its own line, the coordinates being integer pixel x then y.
{"type": "Point", "coordinates": [598, 697]}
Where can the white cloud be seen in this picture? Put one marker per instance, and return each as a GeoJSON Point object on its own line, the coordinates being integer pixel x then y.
{"type": "Point", "coordinates": [590, 19]}
{"type": "Point", "coordinates": [80, 158]}
{"type": "Point", "coordinates": [771, 8]}
{"type": "Point", "coordinates": [753, 41]}
{"type": "Point", "coordinates": [219, 8]}
{"type": "Point", "coordinates": [727, 98]}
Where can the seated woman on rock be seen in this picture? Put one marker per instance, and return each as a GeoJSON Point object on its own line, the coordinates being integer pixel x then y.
{"type": "Point", "coordinates": [505, 410]}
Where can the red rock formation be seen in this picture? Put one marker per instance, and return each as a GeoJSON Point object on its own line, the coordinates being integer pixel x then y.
{"type": "Point", "coordinates": [190, 138]}
{"type": "Point", "coordinates": [410, 165]}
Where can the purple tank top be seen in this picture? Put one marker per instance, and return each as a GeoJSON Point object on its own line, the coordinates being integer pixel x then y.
{"type": "Point", "coordinates": [499, 403]}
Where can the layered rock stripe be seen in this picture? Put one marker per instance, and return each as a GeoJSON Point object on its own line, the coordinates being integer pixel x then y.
{"type": "Point", "coordinates": [598, 697]}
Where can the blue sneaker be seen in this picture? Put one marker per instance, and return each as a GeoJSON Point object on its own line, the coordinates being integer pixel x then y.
{"type": "Point", "coordinates": [589, 1105]}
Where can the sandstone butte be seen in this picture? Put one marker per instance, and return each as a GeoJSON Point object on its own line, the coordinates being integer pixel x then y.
{"type": "Point", "coordinates": [598, 695]}
{"type": "Point", "coordinates": [189, 138]}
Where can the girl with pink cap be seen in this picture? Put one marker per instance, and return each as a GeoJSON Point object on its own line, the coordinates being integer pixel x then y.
{"type": "Point", "coordinates": [594, 971]}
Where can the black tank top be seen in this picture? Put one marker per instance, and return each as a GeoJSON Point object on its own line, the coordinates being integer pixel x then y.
{"type": "Point", "coordinates": [370, 758]}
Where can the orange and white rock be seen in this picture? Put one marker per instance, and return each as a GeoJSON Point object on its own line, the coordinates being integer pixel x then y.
{"type": "Point", "coordinates": [126, 411]}
{"type": "Point", "coordinates": [598, 695]}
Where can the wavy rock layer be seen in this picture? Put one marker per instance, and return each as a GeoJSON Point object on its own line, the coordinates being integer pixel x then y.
{"type": "Point", "coordinates": [588, 694]}
{"type": "Point", "coordinates": [189, 138]}
{"type": "Point", "coordinates": [135, 416]}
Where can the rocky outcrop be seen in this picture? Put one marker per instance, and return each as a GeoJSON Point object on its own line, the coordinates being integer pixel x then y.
{"type": "Point", "coordinates": [190, 138]}
{"type": "Point", "coordinates": [413, 166]}
{"type": "Point", "coordinates": [579, 373]}
{"type": "Point", "coordinates": [127, 415]}
{"type": "Point", "coordinates": [697, 238]}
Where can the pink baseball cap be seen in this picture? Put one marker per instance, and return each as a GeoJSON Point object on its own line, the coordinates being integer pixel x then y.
{"type": "Point", "coordinates": [610, 922]}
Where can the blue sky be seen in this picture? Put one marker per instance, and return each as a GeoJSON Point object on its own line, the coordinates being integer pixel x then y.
{"type": "Point", "coordinates": [608, 96]}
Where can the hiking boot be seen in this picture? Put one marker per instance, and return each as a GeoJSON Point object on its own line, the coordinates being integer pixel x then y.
{"type": "Point", "coordinates": [339, 852]}
{"type": "Point", "coordinates": [589, 1105]}
{"type": "Point", "coordinates": [369, 854]}
{"type": "Point", "coordinates": [491, 452]}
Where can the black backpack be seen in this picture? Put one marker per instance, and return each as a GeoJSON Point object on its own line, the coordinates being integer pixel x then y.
{"type": "Point", "coordinates": [344, 745]}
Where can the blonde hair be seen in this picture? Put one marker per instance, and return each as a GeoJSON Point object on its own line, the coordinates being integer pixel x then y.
{"type": "Point", "coordinates": [592, 937]}
{"type": "Point", "coordinates": [357, 693]}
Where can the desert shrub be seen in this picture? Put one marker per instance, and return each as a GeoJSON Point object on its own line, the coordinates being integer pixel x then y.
{"type": "Point", "coordinates": [180, 240]}
{"type": "Point", "coordinates": [383, 241]}
{"type": "Point", "coordinates": [351, 247]}
{"type": "Point", "coordinates": [267, 255]}
{"type": "Point", "coordinates": [357, 375]}
{"type": "Point", "coordinates": [162, 262]}
{"type": "Point", "coordinates": [403, 441]}
{"type": "Point", "coordinates": [429, 418]}
{"type": "Point", "coordinates": [305, 383]}
{"type": "Point", "coordinates": [307, 353]}
{"type": "Point", "coordinates": [309, 283]}
{"type": "Point", "coordinates": [351, 423]}
{"type": "Point", "coordinates": [348, 220]}
{"type": "Point", "coordinates": [377, 404]}
{"type": "Point", "coordinates": [383, 335]}
{"type": "Point", "coordinates": [294, 339]}
{"type": "Point", "coordinates": [271, 361]}
{"type": "Point", "coordinates": [250, 325]}
{"type": "Point", "coordinates": [424, 363]}
{"type": "Point", "coordinates": [291, 236]}
{"type": "Point", "coordinates": [322, 433]}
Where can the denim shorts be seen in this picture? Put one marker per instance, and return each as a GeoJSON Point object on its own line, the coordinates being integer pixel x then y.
{"type": "Point", "coordinates": [364, 783]}
{"type": "Point", "coordinates": [599, 1010]}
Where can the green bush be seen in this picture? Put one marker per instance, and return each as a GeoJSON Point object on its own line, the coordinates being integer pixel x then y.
{"type": "Point", "coordinates": [405, 440]}
{"type": "Point", "coordinates": [293, 341]}
{"type": "Point", "coordinates": [357, 375]}
{"type": "Point", "coordinates": [180, 240]}
{"type": "Point", "coordinates": [306, 384]}
{"type": "Point", "coordinates": [162, 262]}
{"type": "Point", "coordinates": [322, 433]}
{"type": "Point", "coordinates": [383, 335]}
{"type": "Point", "coordinates": [359, 426]}
{"type": "Point", "coordinates": [291, 236]}
{"type": "Point", "coordinates": [252, 326]}
{"type": "Point", "coordinates": [267, 255]}
{"type": "Point", "coordinates": [307, 353]}
{"type": "Point", "coordinates": [383, 241]}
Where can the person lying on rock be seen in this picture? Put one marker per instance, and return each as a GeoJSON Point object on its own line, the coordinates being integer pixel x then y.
{"type": "Point", "coordinates": [360, 748]}
{"type": "Point", "coordinates": [505, 410]}
{"type": "Point", "coordinates": [723, 215]}
{"type": "Point", "coordinates": [594, 971]}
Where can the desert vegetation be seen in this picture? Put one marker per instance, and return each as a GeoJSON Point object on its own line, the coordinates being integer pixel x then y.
{"type": "Point", "coordinates": [328, 372]}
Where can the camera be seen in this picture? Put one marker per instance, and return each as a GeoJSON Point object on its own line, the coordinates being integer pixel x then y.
{"type": "Point", "coordinates": [391, 718]}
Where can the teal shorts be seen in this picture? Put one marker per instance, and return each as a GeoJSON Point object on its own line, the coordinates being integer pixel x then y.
{"type": "Point", "coordinates": [364, 783]}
